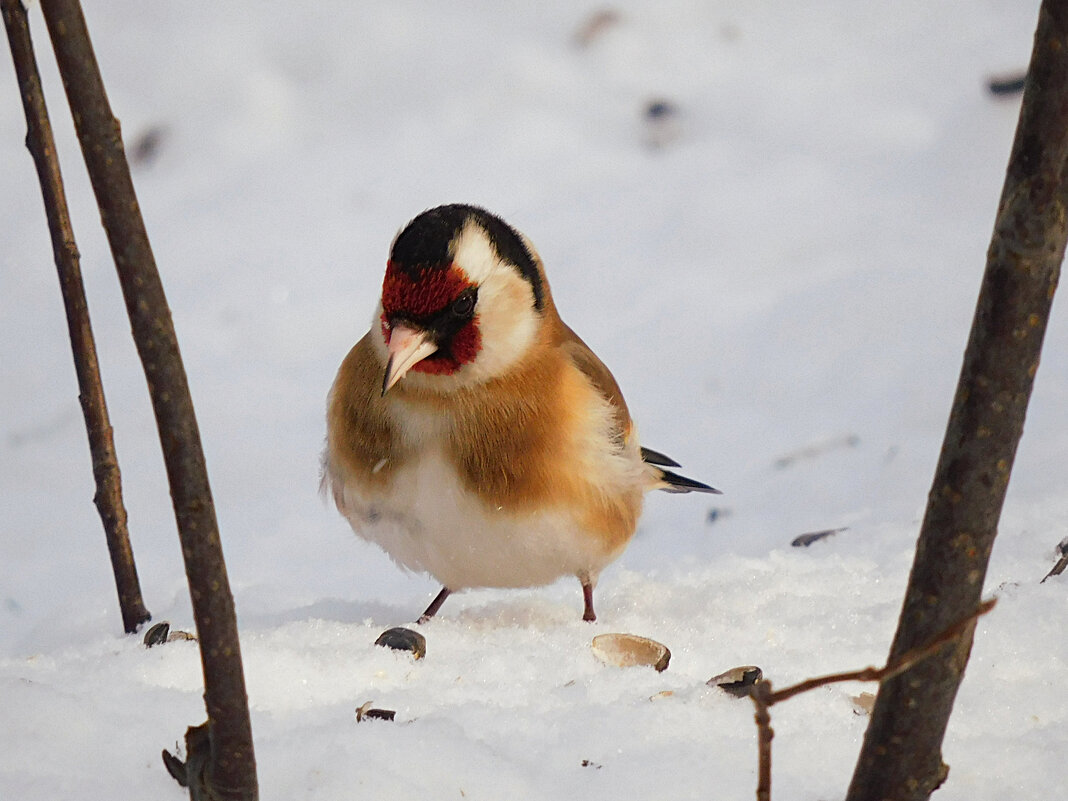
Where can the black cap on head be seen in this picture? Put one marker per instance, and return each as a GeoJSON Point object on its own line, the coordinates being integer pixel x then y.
{"type": "Point", "coordinates": [424, 242]}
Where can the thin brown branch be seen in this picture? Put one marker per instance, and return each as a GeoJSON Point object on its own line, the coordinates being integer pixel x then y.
{"type": "Point", "coordinates": [231, 770]}
{"type": "Point", "coordinates": [764, 697]}
{"type": "Point", "coordinates": [891, 669]}
{"type": "Point", "coordinates": [41, 144]}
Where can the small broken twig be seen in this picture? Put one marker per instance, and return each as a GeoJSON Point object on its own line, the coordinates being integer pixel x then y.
{"type": "Point", "coordinates": [764, 696]}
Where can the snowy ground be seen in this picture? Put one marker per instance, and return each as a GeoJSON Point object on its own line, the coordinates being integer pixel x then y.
{"type": "Point", "coordinates": [783, 289]}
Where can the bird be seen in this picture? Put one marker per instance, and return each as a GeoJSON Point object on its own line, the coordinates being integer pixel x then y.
{"type": "Point", "coordinates": [471, 434]}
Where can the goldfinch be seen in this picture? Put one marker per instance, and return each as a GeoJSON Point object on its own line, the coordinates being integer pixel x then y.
{"type": "Point", "coordinates": [470, 433]}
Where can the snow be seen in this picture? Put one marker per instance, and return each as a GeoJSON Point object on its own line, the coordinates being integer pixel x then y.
{"type": "Point", "coordinates": [788, 277]}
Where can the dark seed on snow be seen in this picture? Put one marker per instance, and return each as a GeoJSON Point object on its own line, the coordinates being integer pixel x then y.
{"type": "Point", "coordinates": [804, 540]}
{"type": "Point", "coordinates": [659, 109]}
{"type": "Point", "coordinates": [1010, 85]}
{"type": "Point", "coordinates": [367, 712]}
{"type": "Point", "coordinates": [402, 639]}
{"type": "Point", "coordinates": [737, 681]}
{"type": "Point", "coordinates": [380, 714]}
{"type": "Point", "coordinates": [157, 635]}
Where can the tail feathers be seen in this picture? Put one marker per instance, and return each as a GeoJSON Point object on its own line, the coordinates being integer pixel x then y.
{"type": "Point", "coordinates": [655, 457]}
{"type": "Point", "coordinates": [672, 482]}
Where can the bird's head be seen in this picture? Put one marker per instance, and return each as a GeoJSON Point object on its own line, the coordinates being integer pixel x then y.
{"type": "Point", "coordinates": [462, 301]}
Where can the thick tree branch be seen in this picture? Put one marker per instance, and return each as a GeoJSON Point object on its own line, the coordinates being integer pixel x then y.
{"type": "Point", "coordinates": [42, 147]}
{"type": "Point", "coordinates": [901, 758]}
{"type": "Point", "coordinates": [230, 773]}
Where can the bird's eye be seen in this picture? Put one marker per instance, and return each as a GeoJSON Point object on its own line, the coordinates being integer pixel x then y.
{"type": "Point", "coordinates": [464, 305]}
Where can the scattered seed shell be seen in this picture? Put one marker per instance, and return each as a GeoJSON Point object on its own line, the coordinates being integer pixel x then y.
{"type": "Point", "coordinates": [864, 703]}
{"type": "Point", "coordinates": [402, 639]}
{"type": "Point", "coordinates": [628, 650]}
{"type": "Point", "coordinates": [804, 540]}
{"type": "Point", "coordinates": [1007, 85]}
{"type": "Point", "coordinates": [157, 635]}
{"type": "Point", "coordinates": [737, 681]}
{"type": "Point", "coordinates": [366, 712]}
{"type": "Point", "coordinates": [379, 714]}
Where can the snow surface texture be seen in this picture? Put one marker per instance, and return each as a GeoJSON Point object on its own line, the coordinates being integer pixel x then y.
{"type": "Point", "coordinates": [780, 271]}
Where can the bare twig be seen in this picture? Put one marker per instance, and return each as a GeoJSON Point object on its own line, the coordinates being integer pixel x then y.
{"type": "Point", "coordinates": [765, 697]}
{"type": "Point", "coordinates": [42, 147]}
{"type": "Point", "coordinates": [231, 769]}
{"type": "Point", "coordinates": [891, 669]}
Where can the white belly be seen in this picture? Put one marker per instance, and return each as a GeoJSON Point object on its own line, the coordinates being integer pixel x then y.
{"type": "Point", "coordinates": [427, 522]}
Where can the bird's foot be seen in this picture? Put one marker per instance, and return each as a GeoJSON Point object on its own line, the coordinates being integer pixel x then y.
{"type": "Point", "coordinates": [435, 605]}
{"type": "Point", "coordinates": [587, 596]}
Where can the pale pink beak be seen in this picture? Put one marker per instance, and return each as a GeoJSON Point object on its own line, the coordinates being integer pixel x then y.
{"type": "Point", "coordinates": [407, 347]}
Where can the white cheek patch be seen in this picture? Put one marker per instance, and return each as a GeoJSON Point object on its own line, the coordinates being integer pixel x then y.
{"type": "Point", "coordinates": [507, 322]}
{"type": "Point", "coordinates": [505, 312]}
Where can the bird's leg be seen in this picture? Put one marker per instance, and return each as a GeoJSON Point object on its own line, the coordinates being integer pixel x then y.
{"type": "Point", "coordinates": [587, 597]}
{"type": "Point", "coordinates": [435, 605]}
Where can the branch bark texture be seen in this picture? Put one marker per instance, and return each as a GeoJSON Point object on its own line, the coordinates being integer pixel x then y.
{"type": "Point", "coordinates": [41, 144]}
{"type": "Point", "coordinates": [231, 771]}
{"type": "Point", "coordinates": [901, 757]}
